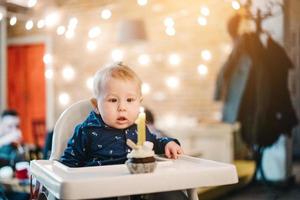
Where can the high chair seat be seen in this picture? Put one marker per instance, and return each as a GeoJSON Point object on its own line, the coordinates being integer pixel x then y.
{"type": "Point", "coordinates": [64, 127]}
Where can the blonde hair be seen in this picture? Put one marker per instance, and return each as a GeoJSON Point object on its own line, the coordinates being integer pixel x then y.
{"type": "Point", "coordinates": [117, 71]}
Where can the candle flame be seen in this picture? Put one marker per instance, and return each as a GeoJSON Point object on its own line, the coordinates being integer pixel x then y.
{"type": "Point", "coordinates": [142, 109]}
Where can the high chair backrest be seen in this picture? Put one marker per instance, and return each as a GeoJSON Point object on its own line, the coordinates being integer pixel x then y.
{"type": "Point", "coordinates": [64, 127]}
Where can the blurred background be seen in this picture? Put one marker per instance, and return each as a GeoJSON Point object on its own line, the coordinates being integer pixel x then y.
{"type": "Point", "coordinates": [184, 52]}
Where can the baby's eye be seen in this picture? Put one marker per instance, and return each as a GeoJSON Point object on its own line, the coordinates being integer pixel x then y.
{"type": "Point", "coordinates": [113, 100]}
{"type": "Point", "coordinates": [130, 100]}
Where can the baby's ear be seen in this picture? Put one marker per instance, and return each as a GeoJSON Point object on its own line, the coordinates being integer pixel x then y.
{"type": "Point", "coordinates": [95, 105]}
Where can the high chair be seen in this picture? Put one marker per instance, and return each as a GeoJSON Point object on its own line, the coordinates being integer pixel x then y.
{"type": "Point", "coordinates": [51, 174]}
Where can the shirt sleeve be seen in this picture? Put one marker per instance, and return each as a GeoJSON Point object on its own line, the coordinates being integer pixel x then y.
{"type": "Point", "coordinates": [75, 154]}
{"type": "Point", "coordinates": [159, 143]}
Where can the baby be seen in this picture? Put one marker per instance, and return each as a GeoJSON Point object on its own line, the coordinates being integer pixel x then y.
{"type": "Point", "coordinates": [101, 138]}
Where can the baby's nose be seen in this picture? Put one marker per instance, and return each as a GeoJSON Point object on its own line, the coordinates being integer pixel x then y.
{"type": "Point", "coordinates": [122, 106]}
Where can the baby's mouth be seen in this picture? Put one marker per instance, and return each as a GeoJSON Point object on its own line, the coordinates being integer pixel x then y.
{"type": "Point", "coordinates": [121, 119]}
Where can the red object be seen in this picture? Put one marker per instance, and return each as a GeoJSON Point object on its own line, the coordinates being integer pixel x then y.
{"type": "Point", "coordinates": [22, 174]}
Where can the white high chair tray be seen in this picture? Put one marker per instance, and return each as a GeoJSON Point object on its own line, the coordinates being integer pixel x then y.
{"type": "Point", "coordinates": [115, 180]}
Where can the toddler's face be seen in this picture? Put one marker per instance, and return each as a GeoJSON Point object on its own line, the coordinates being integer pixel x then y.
{"type": "Point", "coordinates": [9, 124]}
{"type": "Point", "coordinates": [119, 103]}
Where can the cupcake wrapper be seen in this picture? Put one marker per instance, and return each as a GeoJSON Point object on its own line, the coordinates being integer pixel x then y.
{"type": "Point", "coordinates": [138, 168]}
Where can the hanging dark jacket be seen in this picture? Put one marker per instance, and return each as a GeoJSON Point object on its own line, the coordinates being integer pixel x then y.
{"type": "Point", "coordinates": [281, 109]}
{"type": "Point", "coordinates": [250, 93]}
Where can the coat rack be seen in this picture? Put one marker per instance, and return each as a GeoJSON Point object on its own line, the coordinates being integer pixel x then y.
{"type": "Point", "coordinates": [259, 16]}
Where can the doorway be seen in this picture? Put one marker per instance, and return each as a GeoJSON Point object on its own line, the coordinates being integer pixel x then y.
{"type": "Point", "coordinates": [26, 89]}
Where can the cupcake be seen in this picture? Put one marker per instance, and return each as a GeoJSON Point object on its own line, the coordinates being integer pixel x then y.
{"type": "Point", "coordinates": [141, 159]}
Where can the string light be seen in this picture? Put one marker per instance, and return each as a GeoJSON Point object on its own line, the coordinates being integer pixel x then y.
{"type": "Point", "coordinates": [172, 82]}
{"type": "Point", "coordinates": [117, 55]}
{"type": "Point", "coordinates": [13, 20]}
{"type": "Point", "coordinates": [89, 83]}
{"type": "Point", "coordinates": [170, 31]}
{"type": "Point", "coordinates": [29, 25]}
{"type": "Point", "coordinates": [49, 73]}
{"type": "Point", "coordinates": [142, 2]}
{"type": "Point", "coordinates": [146, 88]}
{"type": "Point", "coordinates": [235, 5]}
{"type": "Point", "coordinates": [64, 99]}
{"type": "Point", "coordinates": [91, 45]}
{"type": "Point", "coordinates": [205, 11]}
{"type": "Point", "coordinates": [202, 69]}
{"type": "Point", "coordinates": [41, 23]}
{"type": "Point", "coordinates": [169, 22]}
{"type": "Point", "coordinates": [144, 59]}
{"type": "Point", "coordinates": [94, 32]}
{"type": "Point", "coordinates": [52, 19]}
{"type": "Point", "coordinates": [106, 14]}
{"type": "Point", "coordinates": [202, 21]}
{"type": "Point", "coordinates": [174, 59]}
{"type": "Point", "coordinates": [68, 73]}
{"type": "Point", "coordinates": [31, 3]}
{"type": "Point", "coordinates": [47, 58]}
{"type": "Point", "coordinates": [206, 55]}
{"type": "Point", "coordinates": [69, 34]}
{"type": "Point", "coordinates": [60, 30]}
{"type": "Point", "coordinates": [72, 23]}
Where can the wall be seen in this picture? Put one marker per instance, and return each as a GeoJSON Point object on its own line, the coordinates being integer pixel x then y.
{"type": "Point", "coordinates": [192, 99]}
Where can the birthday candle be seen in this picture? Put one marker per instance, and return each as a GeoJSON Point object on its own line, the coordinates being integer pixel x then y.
{"type": "Point", "coordinates": [141, 127]}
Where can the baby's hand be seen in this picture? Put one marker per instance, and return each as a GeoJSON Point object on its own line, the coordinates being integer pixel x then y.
{"type": "Point", "coordinates": [172, 150]}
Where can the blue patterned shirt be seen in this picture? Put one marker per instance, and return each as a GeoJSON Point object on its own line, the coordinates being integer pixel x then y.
{"type": "Point", "coordinates": [94, 143]}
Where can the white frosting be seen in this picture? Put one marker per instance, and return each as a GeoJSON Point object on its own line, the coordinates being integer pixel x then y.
{"type": "Point", "coordinates": [142, 151]}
